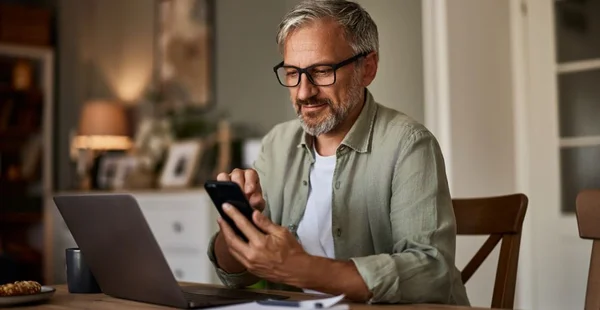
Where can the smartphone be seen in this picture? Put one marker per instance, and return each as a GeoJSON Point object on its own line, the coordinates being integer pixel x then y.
{"type": "Point", "coordinates": [221, 192]}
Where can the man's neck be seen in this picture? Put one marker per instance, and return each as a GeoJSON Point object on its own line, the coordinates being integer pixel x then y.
{"type": "Point", "coordinates": [327, 143]}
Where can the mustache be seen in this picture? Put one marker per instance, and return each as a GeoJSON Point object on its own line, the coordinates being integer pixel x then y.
{"type": "Point", "coordinates": [313, 101]}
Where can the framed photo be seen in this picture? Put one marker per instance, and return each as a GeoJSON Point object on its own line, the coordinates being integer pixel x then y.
{"type": "Point", "coordinates": [107, 170]}
{"type": "Point", "coordinates": [181, 164]}
{"type": "Point", "coordinates": [114, 169]}
{"type": "Point", "coordinates": [125, 166]}
{"type": "Point", "coordinates": [185, 50]}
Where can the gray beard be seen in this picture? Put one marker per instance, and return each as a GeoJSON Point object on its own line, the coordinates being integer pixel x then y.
{"type": "Point", "coordinates": [326, 125]}
{"type": "Point", "coordinates": [338, 114]}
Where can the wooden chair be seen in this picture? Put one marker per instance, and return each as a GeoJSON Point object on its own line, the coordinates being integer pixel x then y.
{"type": "Point", "coordinates": [587, 210]}
{"type": "Point", "coordinates": [502, 218]}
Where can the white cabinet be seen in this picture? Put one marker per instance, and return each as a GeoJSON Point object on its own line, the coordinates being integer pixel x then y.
{"type": "Point", "coordinates": [182, 223]}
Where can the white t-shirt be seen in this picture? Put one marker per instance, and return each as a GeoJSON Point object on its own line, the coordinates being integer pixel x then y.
{"type": "Point", "coordinates": [314, 230]}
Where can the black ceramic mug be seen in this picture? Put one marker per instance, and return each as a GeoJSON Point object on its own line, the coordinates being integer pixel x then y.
{"type": "Point", "coordinates": [79, 276]}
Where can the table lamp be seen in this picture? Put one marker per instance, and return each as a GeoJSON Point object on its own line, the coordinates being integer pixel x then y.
{"type": "Point", "coordinates": [103, 126]}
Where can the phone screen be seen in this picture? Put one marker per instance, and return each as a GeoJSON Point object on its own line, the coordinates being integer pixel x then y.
{"type": "Point", "coordinates": [221, 192]}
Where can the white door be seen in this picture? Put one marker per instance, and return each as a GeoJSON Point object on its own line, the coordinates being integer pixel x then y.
{"type": "Point", "coordinates": [470, 89]}
{"type": "Point", "coordinates": [563, 143]}
{"type": "Point", "coordinates": [515, 113]}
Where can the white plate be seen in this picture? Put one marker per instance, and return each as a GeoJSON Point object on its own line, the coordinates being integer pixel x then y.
{"type": "Point", "coordinates": [45, 294]}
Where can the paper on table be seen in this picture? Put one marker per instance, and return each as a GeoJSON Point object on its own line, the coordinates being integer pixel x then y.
{"type": "Point", "coordinates": [325, 303]}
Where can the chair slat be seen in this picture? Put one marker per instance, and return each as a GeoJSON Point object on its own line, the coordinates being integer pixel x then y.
{"type": "Point", "coordinates": [593, 285]}
{"type": "Point", "coordinates": [588, 221]}
{"type": "Point", "coordinates": [480, 257]}
{"type": "Point", "coordinates": [588, 216]}
{"type": "Point", "coordinates": [506, 275]}
{"type": "Point", "coordinates": [501, 217]}
{"type": "Point", "coordinates": [493, 215]}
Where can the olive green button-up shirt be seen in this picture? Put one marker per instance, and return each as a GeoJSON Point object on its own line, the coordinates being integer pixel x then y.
{"type": "Point", "coordinates": [392, 212]}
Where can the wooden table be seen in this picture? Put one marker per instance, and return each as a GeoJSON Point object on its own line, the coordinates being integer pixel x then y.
{"type": "Point", "coordinates": [63, 300]}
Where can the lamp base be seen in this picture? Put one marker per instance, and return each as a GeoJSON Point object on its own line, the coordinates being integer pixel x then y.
{"type": "Point", "coordinates": [87, 169]}
{"type": "Point", "coordinates": [93, 173]}
{"type": "Point", "coordinates": [85, 184]}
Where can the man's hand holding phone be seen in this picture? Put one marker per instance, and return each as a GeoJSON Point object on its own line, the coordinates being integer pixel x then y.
{"type": "Point", "coordinates": [249, 183]}
{"type": "Point", "coordinates": [271, 251]}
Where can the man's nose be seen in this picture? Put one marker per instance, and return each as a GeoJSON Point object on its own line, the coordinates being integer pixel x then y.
{"type": "Point", "coordinates": [306, 89]}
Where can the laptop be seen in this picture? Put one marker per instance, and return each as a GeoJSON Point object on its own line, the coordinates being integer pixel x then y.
{"type": "Point", "coordinates": [125, 258]}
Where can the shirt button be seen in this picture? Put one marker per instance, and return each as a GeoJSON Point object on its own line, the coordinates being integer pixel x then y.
{"type": "Point", "coordinates": [337, 185]}
{"type": "Point", "coordinates": [338, 232]}
{"type": "Point", "coordinates": [292, 228]}
{"type": "Point", "coordinates": [304, 183]}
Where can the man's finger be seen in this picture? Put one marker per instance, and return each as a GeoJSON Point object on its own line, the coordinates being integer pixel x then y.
{"type": "Point", "coordinates": [231, 238]}
{"type": "Point", "coordinates": [237, 176]}
{"type": "Point", "coordinates": [264, 223]}
{"type": "Point", "coordinates": [252, 184]}
{"type": "Point", "coordinates": [223, 177]}
{"type": "Point", "coordinates": [257, 202]}
{"type": "Point", "coordinates": [240, 257]}
{"type": "Point", "coordinates": [243, 224]}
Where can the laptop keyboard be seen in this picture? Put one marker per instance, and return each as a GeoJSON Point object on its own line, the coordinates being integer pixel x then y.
{"type": "Point", "coordinates": [220, 293]}
{"type": "Point", "coordinates": [203, 298]}
{"type": "Point", "coordinates": [205, 301]}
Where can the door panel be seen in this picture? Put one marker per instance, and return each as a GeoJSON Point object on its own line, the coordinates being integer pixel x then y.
{"type": "Point", "coordinates": [579, 103]}
{"type": "Point", "coordinates": [557, 149]}
{"type": "Point", "coordinates": [577, 29]}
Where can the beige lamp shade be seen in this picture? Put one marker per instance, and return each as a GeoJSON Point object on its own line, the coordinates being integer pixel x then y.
{"type": "Point", "coordinates": [103, 125]}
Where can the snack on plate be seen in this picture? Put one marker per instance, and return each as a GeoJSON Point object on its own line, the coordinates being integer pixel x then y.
{"type": "Point", "coordinates": [20, 288]}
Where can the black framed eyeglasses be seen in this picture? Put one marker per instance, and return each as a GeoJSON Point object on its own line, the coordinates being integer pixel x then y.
{"type": "Point", "coordinates": [318, 74]}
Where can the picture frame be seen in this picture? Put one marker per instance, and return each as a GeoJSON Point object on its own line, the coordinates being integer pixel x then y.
{"type": "Point", "coordinates": [114, 169]}
{"type": "Point", "coordinates": [181, 164]}
{"type": "Point", "coordinates": [185, 54]}
{"type": "Point", "coordinates": [126, 165]}
{"type": "Point", "coordinates": [107, 170]}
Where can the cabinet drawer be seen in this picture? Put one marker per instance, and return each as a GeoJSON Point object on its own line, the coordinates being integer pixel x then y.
{"type": "Point", "coordinates": [189, 228]}
{"type": "Point", "coordinates": [191, 268]}
{"type": "Point", "coordinates": [179, 221]}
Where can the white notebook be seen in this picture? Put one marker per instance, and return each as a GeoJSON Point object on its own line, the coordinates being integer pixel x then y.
{"type": "Point", "coordinates": [325, 303]}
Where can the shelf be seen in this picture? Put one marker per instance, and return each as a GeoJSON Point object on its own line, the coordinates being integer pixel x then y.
{"type": "Point", "coordinates": [17, 133]}
{"type": "Point", "coordinates": [26, 98]}
{"type": "Point", "coordinates": [12, 140]}
{"type": "Point", "coordinates": [21, 203]}
{"type": "Point", "coordinates": [26, 114]}
{"type": "Point", "coordinates": [34, 91]}
{"type": "Point", "coordinates": [20, 217]}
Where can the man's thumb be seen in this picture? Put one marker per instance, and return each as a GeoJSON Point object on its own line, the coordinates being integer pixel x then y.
{"type": "Point", "coordinates": [263, 222]}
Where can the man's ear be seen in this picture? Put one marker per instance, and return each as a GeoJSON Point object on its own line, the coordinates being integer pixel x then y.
{"type": "Point", "coordinates": [370, 64]}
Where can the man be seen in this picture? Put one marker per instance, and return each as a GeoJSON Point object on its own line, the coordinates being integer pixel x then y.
{"type": "Point", "coordinates": [354, 195]}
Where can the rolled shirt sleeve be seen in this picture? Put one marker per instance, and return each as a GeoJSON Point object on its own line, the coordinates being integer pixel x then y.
{"type": "Point", "coordinates": [245, 278]}
{"type": "Point", "coordinates": [420, 269]}
{"type": "Point", "coordinates": [231, 280]}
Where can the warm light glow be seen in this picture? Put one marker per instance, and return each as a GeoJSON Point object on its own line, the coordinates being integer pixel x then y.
{"type": "Point", "coordinates": [102, 142]}
{"type": "Point", "coordinates": [131, 82]}
{"type": "Point", "coordinates": [127, 73]}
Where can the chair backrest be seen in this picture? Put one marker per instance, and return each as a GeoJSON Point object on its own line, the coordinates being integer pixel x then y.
{"type": "Point", "coordinates": [502, 218]}
{"type": "Point", "coordinates": [587, 210]}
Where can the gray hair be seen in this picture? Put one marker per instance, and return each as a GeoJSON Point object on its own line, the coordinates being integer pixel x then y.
{"type": "Point", "coordinates": [359, 29]}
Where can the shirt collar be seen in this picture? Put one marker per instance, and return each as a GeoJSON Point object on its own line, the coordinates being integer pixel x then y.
{"type": "Point", "coordinates": [359, 136]}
